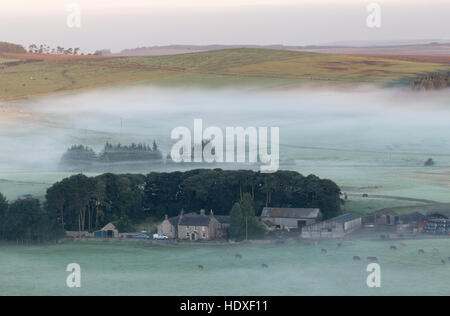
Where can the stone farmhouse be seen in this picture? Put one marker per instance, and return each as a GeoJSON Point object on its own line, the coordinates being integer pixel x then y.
{"type": "Point", "coordinates": [193, 226]}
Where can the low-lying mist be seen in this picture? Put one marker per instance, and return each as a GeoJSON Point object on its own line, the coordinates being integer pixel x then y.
{"type": "Point", "coordinates": [376, 120]}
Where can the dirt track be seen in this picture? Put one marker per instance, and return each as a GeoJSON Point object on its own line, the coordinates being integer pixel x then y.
{"type": "Point", "coordinates": [400, 198]}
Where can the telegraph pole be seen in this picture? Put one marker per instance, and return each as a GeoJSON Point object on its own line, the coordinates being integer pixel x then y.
{"type": "Point", "coordinates": [246, 228]}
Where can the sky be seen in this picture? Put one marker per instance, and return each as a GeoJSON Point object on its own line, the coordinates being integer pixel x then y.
{"type": "Point", "coordinates": [121, 24]}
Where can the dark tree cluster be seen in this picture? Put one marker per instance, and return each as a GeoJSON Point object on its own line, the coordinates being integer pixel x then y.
{"type": "Point", "coordinates": [217, 189]}
{"type": "Point", "coordinates": [434, 81]}
{"type": "Point", "coordinates": [81, 203]}
{"type": "Point", "coordinates": [85, 158]}
{"type": "Point", "coordinates": [134, 152]}
{"type": "Point", "coordinates": [26, 221]}
{"type": "Point", "coordinates": [243, 221]}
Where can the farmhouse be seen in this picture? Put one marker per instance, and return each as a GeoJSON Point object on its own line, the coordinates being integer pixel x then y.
{"type": "Point", "coordinates": [289, 218]}
{"type": "Point", "coordinates": [198, 226]}
{"type": "Point", "coordinates": [336, 227]}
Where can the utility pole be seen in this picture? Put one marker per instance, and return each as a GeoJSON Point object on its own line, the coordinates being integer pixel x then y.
{"type": "Point", "coordinates": [246, 228]}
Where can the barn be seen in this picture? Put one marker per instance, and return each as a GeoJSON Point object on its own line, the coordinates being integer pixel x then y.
{"type": "Point", "coordinates": [336, 227]}
{"type": "Point", "coordinates": [290, 218]}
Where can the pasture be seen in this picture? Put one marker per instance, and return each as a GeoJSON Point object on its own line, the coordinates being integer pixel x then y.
{"type": "Point", "coordinates": [293, 269]}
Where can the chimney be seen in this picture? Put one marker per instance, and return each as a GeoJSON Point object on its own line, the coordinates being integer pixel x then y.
{"type": "Point", "coordinates": [167, 217]}
{"type": "Point", "coordinates": [211, 213]}
{"type": "Point", "coordinates": [202, 212]}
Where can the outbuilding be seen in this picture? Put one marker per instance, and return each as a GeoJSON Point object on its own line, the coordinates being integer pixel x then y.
{"type": "Point", "coordinates": [109, 231]}
{"type": "Point", "coordinates": [290, 218]}
{"type": "Point", "coordinates": [336, 227]}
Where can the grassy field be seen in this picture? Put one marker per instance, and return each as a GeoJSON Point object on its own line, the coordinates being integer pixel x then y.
{"type": "Point", "coordinates": [262, 68]}
{"type": "Point", "coordinates": [294, 269]}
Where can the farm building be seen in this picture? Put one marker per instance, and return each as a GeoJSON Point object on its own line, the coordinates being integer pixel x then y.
{"type": "Point", "coordinates": [169, 226]}
{"type": "Point", "coordinates": [109, 231]}
{"type": "Point", "coordinates": [336, 227]}
{"type": "Point", "coordinates": [289, 218]}
{"type": "Point", "coordinates": [198, 226]}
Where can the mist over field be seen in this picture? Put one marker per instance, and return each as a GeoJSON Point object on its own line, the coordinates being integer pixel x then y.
{"type": "Point", "coordinates": [386, 121]}
{"type": "Point", "coordinates": [335, 134]}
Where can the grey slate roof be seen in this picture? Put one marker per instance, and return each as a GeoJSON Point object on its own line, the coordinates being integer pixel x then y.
{"type": "Point", "coordinates": [312, 213]}
{"type": "Point", "coordinates": [195, 220]}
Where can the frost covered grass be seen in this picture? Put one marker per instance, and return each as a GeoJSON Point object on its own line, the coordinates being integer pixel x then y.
{"type": "Point", "coordinates": [294, 269]}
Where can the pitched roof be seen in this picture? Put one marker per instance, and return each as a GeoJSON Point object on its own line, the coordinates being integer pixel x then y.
{"type": "Point", "coordinates": [174, 220]}
{"type": "Point", "coordinates": [195, 220]}
{"type": "Point", "coordinates": [291, 212]}
{"type": "Point", "coordinates": [109, 226]}
{"type": "Point", "coordinates": [344, 218]}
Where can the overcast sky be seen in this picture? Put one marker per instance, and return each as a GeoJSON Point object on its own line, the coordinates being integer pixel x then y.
{"type": "Point", "coordinates": [120, 24]}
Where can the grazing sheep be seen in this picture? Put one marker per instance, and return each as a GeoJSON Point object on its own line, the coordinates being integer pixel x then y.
{"type": "Point", "coordinates": [421, 251]}
{"type": "Point", "coordinates": [356, 258]}
{"type": "Point", "coordinates": [373, 259]}
{"type": "Point", "coordinates": [201, 267]}
{"type": "Point", "coordinates": [402, 244]}
{"type": "Point", "coordinates": [238, 256]}
{"type": "Point", "coordinates": [436, 250]}
{"type": "Point", "coordinates": [393, 248]}
{"type": "Point", "coordinates": [443, 261]}
{"type": "Point", "coordinates": [324, 250]}
{"type": "Point", "coordinates": [339, 245]}
{"type": "Point", "coordinates": [264, 266]}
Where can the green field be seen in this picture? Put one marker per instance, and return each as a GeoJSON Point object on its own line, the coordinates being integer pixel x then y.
{"type": "Point", "coordinates": [241, 68]}
{"type": "Point", "coordinates": [294, 269]}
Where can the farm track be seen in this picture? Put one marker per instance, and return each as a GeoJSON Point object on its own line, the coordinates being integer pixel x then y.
{"type": "Point", "coordinates": [400, 198]}
{"type": "Point", "coordinates": [412, 207]}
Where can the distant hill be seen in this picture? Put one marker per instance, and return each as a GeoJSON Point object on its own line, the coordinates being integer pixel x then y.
{"type": "Point", "coordinates": [245, 68]}
{"type": "Point", "coordinates": [184, 49]}
{"type": "Point", "coordinates": [11, 48]}
{"type": "Point", "coordinates": [430, 49]}
{"type": "Point", "coordinates": [426, 48]}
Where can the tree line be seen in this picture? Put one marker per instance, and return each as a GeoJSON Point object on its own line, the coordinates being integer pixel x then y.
{"type": "Point", "coordinates": [26, 221]}
{"type": "Point", "coordinates": [46, 49]}
{"type": "Point", "coordinates": [11, 48]}
{"type": "Point", "coordinates": [434, 81]}
{"type": "Point", "coordinates": [81, 203]}
{"type": "Point", "coordinates": [80, 156]}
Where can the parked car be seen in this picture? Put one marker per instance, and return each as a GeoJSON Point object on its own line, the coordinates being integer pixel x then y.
{"type": "Point", "coordinates": [159, 237]}
{"type": "Point", "coordinates": [141, 236]}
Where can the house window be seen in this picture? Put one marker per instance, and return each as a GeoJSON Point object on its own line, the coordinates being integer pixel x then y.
{"type": "Point", "coordinates": [203, 228]}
